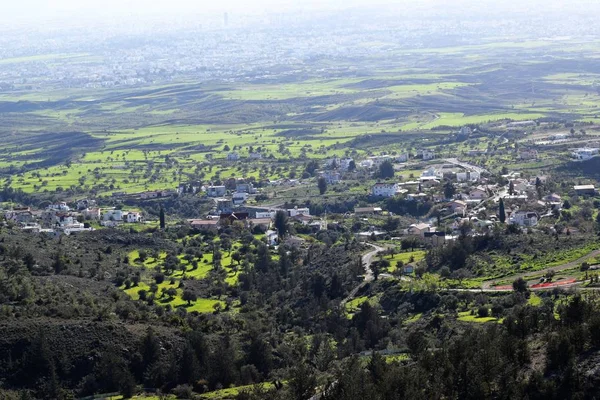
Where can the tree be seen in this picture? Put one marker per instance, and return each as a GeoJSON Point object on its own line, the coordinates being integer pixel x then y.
{"type": "Point", "coordinates": [162, 218]}
{"type": "Point", "coordinates": [29, 260]}
{"type": "Point", "coordinates": [520, 285]}
{"type": "Point", "coordinates": [281, 223]}
{"type": "Point", "coordinates": [322, 184]}
{"type": "Point", "coordinates": [449, 189]}
{"type": "Point", "coordinates": [511, 188]}
{"type": "Point", "coordinates": [567, 204]}
{"type": "Point", "coordinates": [386, 170]}
{"type": "Point", "coordinates": [501, 211]}
{"type": "Point", "coordinates": [189, 296]}
{"type": "Point", "coordinates": [351, 166]}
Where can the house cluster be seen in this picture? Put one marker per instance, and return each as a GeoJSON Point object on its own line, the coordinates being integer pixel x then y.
{"type": "Point", "coordinates": [114, 217]}
{"type": "Point", "coordinates": [60, 218]}
{"type": "Point", "coordinates": [57, 218]}
{"type": "Point", "coordinates": [585, 153]}
{"type": "Point", "coordinates": [226, 200]}
{"type": "Point", "coordinates": [261, 219]}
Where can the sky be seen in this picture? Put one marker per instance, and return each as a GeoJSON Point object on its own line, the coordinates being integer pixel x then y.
{"type": "Point", "coordinates": [36, 12]}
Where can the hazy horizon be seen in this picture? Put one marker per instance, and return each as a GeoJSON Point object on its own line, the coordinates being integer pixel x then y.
{"type": "Point", "coordinates": [34, 13]}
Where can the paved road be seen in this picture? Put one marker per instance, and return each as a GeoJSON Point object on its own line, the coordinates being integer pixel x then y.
{"type": "Point", "coordinates": [466, 165]}
{"type": "Point", "coordinates": [367, 259]}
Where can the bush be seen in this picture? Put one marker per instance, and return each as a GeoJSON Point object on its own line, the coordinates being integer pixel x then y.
{"type": "Point", "coordinates": [183, 392]}
{"type": "Point", "coordinates": [483, 312]}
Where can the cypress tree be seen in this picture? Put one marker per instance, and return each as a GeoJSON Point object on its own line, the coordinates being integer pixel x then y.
{"type": "Point", "coordinates": [501, 211]}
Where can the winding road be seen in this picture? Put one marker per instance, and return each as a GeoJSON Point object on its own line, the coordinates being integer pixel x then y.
{"type": "Point", "coordinates": [367, 260]}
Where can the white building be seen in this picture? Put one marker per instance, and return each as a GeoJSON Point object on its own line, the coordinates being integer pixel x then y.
{"type": "Point", "coordinates": [345, 163]}
{"type": "Point", "coordinates": [469, 176]}
{"type": "Point", "coordinates": [465, 131]}
{"type": "Point", "coordinates": [293, 212]}
{"type": "Point", "coordinates": [62, 206]}
{"type": "Point", "coordinates": [133, 217]}
{"type": "Point", "coordinates": [331, 177]}
{"type": "Point", "coordinates": [112, 215]}
{"type": "Point", "coordinates": [419, 229]}
{"type": "Point", "coordinates": [428, 155]}
{"type": "Point", "coordinates": [233, 156]}
{"type": "Point", "coordinates": [384, 189]}
{"type": "Point", "coordinates": [478, 194]}
{"type": "Point", "coordinates": [255, 156]}
{"type": "Point", "coordinates": [272, 238]}
{"type": "Point", "coordinates": [403, 157]}
{"type": "Point", "coordinates": [216, 191]}
{"type": "Point", "coordinates": [265, 214]}
{"type": "Point", "coordinates": [378, 160]}
{"type": "Point", "coordinates": [245, 187]}
{"type": "Point", "coordinates": [524, 218]}
{"type": "Point", "coordinates": [368, 163]}
{"type": "Point", "coordinates": [432, 174]}
{"type": "Point", "coordinates": [585, 153]}
{"type": "Point", "coordinates": [239, 198]}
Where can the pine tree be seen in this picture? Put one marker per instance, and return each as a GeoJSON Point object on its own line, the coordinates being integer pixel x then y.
{"type": "Point", "coordinates": [322, 184]}
{"type": "Point", "coordinates": [281, 223]}
{"type": "Point", "coordinates": [162, 218]}
{"type": "Point", "coordinates": [501, 211]}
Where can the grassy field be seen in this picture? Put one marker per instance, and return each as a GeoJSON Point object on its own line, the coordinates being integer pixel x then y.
{"type": "Point", "coordinates": [154, 136]}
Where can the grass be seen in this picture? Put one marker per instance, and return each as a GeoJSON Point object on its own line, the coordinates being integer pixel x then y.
{"type": "Point", "coordinates": [414, 318]}
{"type": "Point", "coordinates": [405, 258]}
{"type": "Point", "coordinates": [534, 300]}
{"type": "Point", "coordinates": [229, 393]}
{"type": "Point", "coordinates": [466, 316]}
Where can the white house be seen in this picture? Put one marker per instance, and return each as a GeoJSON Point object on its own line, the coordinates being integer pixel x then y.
{"type": "Point", "coordinates": [133, 217]}
{"type": "Point", "coordinates": [367, 163]}
{"type": "Point", "coordinates": [403, 157]}
{"type": "Point", "coordinates": [585, 153]}
{"type": "Point", "coordinates": [272, 238]}
{"type": "Point", "coordinates": [233, 156]}
{"type": "Point", "coordinates": [384, 189]}
{"type": "Point", "coordinates": [419, 229]}
{"type": "Point", "coordinates": [62, 206]}
{"type": "Point", "coordinates": [239, 198]}
{"type": "Point", "coordinates": [553, 199]}
{"type": "Point", "coordinates": [378, 160]}
{"type": "Point", "coordinates": [216, 191]}
{"type": "Point", "coordinates": [432, 174]}
{"type": "Point", "coordinates": [331, 177]}
{"type": "Point", "coordinates": [468, 176]}
{"type": "Point", "coordinates": [524, 218]}
{"type": "Point", "coordinates": [416, 196]}
{"type": "Point", "coordinates": [465, 131]}
{"type": "Point", "coordinates": [293, 212]}
{"type": "Point", "coordinates": [112, 215]}
{"type": "Point", "coordinates": [91, 213]}
{"type": "Point", "coordinates": [428, 155]}
{"type": "Point", "coordinates": [255, 156]}
{"type": "Point", "coordinates": [245, 187]}
{"type": "Point", "coordinates": [458, 206]}
{"type": "Point", "coordinates": [478, 193]}
{"type": "Point", "coordinates": [345, 163]}
{"type": "Point", "coordinates": [585, 190]}
{"type": "Point", "coordinates": [265, 214]}
{"type": "Point", "coordinates": [85, 203]}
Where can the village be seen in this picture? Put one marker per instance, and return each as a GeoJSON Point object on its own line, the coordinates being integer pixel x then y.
{"type": "Point", "coordinates": [447, 199]}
